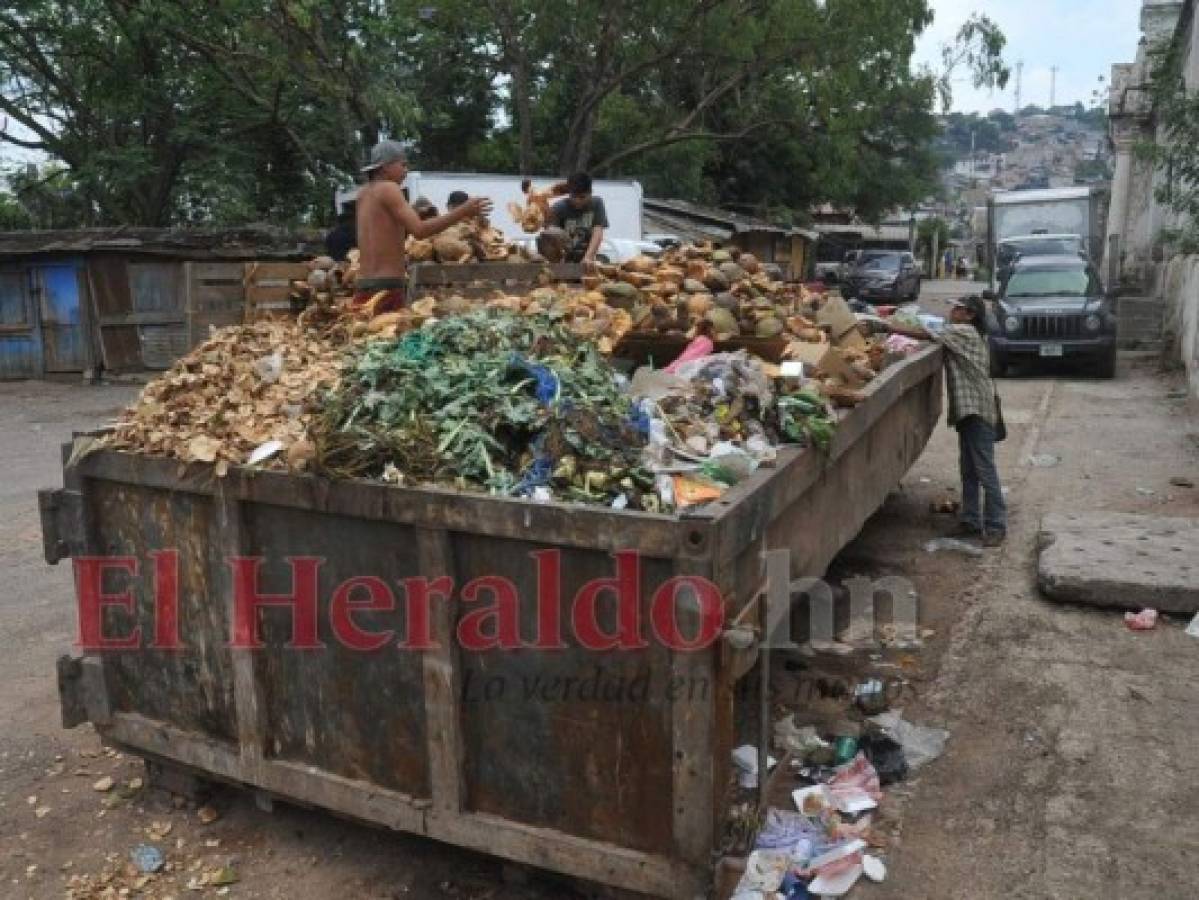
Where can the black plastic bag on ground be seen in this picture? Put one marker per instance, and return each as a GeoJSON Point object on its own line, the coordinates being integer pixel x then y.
{"type": "Point", "coordinates": [886, 755]}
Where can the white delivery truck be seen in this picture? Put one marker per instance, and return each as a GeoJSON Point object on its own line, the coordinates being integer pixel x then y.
{"type": "Point", "coordinates": [622, 199]}
{"type": "Point", "coordinates": [1059, 213]}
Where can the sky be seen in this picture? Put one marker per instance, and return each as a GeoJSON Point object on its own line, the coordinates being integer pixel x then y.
{"type": "Point", "coordinates": [1083, 38]}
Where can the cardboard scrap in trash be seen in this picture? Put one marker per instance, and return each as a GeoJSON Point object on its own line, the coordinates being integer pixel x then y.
{"type": "Point", "coordinates": [836, 314]}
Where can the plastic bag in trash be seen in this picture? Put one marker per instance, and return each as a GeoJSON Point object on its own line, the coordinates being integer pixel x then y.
{"type": "Point", "coordinates": [804, 741]}
{"type": "Point", "coordinates": [745, 758]}
{"type": "Point", "coordinates": [799, 835]}
{"type": "Point", "coordinates": [921, 744]}
{"type": "Point", "coordinates": [764, 871]}
{"type": "Point", "coordinates": [886, 755]}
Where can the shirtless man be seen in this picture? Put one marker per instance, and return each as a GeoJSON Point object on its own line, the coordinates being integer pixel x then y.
{"type": "Point", "coordinates": [385, 219]}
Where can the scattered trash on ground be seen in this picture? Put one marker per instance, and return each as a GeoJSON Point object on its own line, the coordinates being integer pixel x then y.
{"type": "Point", "coordinates": [147, 858]}
{"type": "Point", "coordinates": [945, 507]}
{"type": "Point", "coordinates": [874, 868]}
{"type": "Point", "coordinates": [952, 545]}
{"type": "Point", "coordinates": [1146, 492]}
{"type": "Point", "coordinates": [1145, 620]}
{"type": "Point", "coordinates": [1193, 628]}
{"type": "Point", "coordinates": [805, 742]}
{"type": "Point", "coordinates": [1182, 482]}
{"type": "Point", "coordinates": [104, 785]}
{"type": "Point", "coordinates": [921, 744]}
{"type": "Point", "coordinates": [870, 696]}
{"type": "Point", "coordinates": [1044, 460]}
{"type": "Point", "coordinates": [745, 758]}
{"type": "Point", "coordinates": [886, 755]}
{"type": "Point", "coordinates": [820, 850]}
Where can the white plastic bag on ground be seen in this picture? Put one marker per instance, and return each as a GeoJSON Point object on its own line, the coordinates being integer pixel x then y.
{"type": "Point", "coordinates": [921, 744]}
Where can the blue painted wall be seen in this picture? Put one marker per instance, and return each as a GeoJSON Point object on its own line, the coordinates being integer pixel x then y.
{"type": "Point", "coordinates": [20, 332]}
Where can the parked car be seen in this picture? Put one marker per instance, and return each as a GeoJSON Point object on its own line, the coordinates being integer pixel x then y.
{"type": "Point", "coordinates": [1024, 245]}
{"type": "Point", "coordinates": [1053, 307]}
{"type": "Point", "coordinates": [889, 275]}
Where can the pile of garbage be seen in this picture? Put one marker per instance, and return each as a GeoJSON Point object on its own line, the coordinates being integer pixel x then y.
{"type": "Point", "coordinates": [244, 396]}
{"type": "Point", "coordinates": [518, 395]}
{"type": "Point", "coordinates": [829, 840]}
{"type": "Point", "coordinates": [512, 404]}
{"type": "Point", "coordinates": [701, 293]}
{"type": "Point", "coordinates": [584, 314]}
{"type": "Point", "coordinates": [515, 403]}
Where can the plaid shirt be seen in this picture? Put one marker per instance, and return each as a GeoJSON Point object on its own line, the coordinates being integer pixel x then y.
{"type": "Point", "coordinates": [967, 374]}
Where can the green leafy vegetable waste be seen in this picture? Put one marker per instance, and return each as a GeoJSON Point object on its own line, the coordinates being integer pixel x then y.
{"type": "Point", "coordinates": [490, 401]}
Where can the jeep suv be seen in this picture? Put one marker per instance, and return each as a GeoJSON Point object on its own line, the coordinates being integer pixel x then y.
{"type": "Point", "coordinates": [1053, 307]}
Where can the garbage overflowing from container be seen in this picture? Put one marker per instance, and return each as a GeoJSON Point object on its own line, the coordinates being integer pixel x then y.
{"type": "Point", "coordinates": [827, 839]}
{"type": "Point", "coordinates": [517, 395]}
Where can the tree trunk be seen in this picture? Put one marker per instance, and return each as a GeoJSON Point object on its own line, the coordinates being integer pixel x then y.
{"type": "Point", "coordinates": [576, 152]}
{"type": "Point", "coordinates": [523, 106]}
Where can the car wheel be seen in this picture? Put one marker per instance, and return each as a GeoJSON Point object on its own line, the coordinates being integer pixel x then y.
{"type": "Point", "coordinates": [1107, 365]}
{"type": "Point", "coordinates": [915, 292]}
{"type": "Point", "coordinates": [999, 365]}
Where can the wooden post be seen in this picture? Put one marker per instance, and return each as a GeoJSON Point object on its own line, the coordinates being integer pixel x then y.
{"type": "Point", "coordinates": [247, 692]}
{"type": "Point", "coordinates": [692, 739]}
{"type": "Point", "coordinates": [442, 675]}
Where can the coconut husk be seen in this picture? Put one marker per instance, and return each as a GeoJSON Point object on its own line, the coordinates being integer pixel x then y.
{"type": "Point", "coordinates": [641, 264]}
{"type": "Point", "coordinates": [244, 387]}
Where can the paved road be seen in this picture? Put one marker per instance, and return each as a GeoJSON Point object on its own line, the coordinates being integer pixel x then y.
{"type": "Point", "coordinates": [1071, 771]}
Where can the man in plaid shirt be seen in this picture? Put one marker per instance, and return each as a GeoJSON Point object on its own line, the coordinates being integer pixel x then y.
{"type": "Point", "coordinates": [973, 411]}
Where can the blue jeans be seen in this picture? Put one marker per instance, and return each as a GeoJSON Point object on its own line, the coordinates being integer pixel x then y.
{"type": "Point", "coordinates": [976, 441]}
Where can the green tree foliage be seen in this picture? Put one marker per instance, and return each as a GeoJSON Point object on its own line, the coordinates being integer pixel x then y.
{"type": "Point", "coordinates": [1004, 121]}
{"type": "Point", "coordinates": [167, 111]}
{"type": "Point", "coordinates": [926, 230]}
{"type": "Point", "coordinates": [989, 135]}
{"type": "Point", "coordinates": [978, 46]}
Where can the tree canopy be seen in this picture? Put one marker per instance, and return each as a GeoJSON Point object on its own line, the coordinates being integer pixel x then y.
{"type": "Point", "coordinates": [168, 111]}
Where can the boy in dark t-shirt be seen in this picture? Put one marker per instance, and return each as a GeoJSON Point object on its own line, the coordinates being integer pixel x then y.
{"type": "Point", "coordinates": [575, 228]}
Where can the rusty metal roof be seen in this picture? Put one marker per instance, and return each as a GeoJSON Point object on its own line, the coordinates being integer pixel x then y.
{"type": "Point", "coordinates": [189, 243]}
{"type": "Point", "coordinates": [692, 221]}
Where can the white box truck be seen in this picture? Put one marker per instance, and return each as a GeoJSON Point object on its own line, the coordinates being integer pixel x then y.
{"type": "Point", "coordinates": [1061, 213]}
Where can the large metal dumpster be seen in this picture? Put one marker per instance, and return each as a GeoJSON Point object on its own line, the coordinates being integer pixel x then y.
{"type": "Point", "coordinates": [621, 777]}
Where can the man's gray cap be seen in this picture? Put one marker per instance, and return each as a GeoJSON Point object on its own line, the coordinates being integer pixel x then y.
{"type": "Point", "coordinates": [386, 152]}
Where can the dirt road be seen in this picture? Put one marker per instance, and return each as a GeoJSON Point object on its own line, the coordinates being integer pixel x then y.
{"type": "Point", "coordinates": [1070, 772]}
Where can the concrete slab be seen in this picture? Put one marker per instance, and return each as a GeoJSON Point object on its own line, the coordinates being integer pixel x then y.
{"type": "Point", "coordinates": [1120, 560]}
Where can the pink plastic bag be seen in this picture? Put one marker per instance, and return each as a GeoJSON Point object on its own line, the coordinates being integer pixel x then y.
{"type": "Point", "coordinates": [699, 348]}
{"type": "Point", "coordinates": [1145, 620]}
{"type": "Point", "coordinates": [859, 775]}
{"type": "Point", "coordinates": [898, 343]}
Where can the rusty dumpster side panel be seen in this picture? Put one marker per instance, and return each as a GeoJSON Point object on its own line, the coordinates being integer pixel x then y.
{"type": "Point", "coordinates": [628, 790]}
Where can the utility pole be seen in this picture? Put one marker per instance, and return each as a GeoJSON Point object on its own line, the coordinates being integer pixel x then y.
{"type": "Point", "coordinates": [1019, 85]}
{"type": "Point", "coordinates": [1053, 70]}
